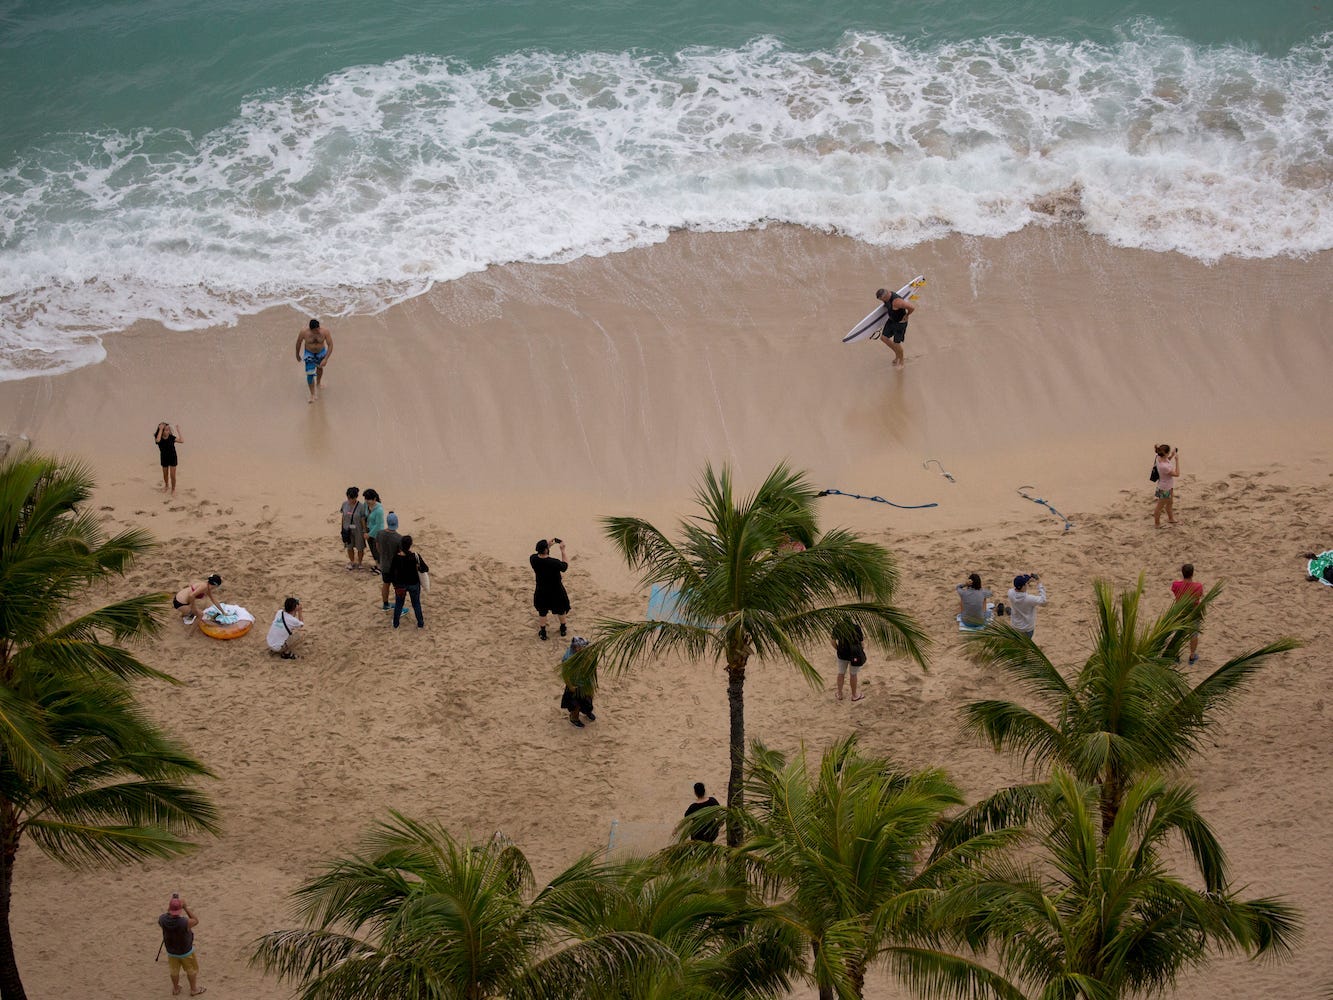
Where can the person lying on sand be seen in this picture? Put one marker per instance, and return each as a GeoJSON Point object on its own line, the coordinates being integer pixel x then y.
{"type": "Point", "coordinates": [194, 599]}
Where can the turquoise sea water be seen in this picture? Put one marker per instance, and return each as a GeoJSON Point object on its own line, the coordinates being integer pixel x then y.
{"type": "Point", "coordinates": [190, 163]}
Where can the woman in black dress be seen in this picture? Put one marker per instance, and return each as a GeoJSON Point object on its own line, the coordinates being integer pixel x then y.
{"type": "Point", "coordinates": [166, 445]}
{"type": "Point", "coordinates": [549, 596]}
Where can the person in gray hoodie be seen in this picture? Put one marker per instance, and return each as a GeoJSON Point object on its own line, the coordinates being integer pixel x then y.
{"type": "Point", "coordinates": [388, 542]}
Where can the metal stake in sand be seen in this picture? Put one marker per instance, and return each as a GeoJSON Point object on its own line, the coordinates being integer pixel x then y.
{"type": "Point", "coordinates": [858, 496]}
{"type": "Point", "coordinates": [926, 465]}
{"type": "Point", "coordinates": [1068, 524]}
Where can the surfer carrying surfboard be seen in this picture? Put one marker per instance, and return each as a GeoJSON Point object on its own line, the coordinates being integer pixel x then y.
{"type": "Point", "coordinates": [895, 327]}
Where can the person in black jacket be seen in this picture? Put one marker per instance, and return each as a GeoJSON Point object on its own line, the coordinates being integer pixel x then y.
{"type": "Point", "coordinates": [549, 594]}
{"type": "Point", "coordinates": [405, 572]}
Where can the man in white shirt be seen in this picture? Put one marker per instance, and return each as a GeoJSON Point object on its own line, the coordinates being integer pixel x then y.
{"type": "Point", "coordinates": [284, 635]}
{"type": "Point", "coordinates": [1023, 606]}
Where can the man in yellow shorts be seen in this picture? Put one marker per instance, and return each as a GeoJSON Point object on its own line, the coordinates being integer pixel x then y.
{"type": "Point", "coordinates": [178, 939]}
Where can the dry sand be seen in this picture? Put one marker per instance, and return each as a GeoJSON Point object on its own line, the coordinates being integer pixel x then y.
{"type": "Point", "coordinates": [527, 401]}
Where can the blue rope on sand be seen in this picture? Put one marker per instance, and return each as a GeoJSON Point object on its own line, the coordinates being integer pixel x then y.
{"type": "Point", "coordinates": [1068, 524]}
{"type": "Point", "coordinates": [857, 496]}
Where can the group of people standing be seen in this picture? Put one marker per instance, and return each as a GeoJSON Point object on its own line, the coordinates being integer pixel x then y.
{"type": "Point", "coordinates": [365, 522]}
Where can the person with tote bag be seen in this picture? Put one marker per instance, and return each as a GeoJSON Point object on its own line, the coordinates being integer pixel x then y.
{"type": "Point", "coordinates": [410, 576]}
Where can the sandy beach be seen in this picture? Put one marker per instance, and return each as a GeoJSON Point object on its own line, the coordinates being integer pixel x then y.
{"type": "Point", "coordinates": [530, 400]}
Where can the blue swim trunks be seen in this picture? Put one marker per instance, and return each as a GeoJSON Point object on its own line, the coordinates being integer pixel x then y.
{"type": "Point", "coordinates": [312, 361]}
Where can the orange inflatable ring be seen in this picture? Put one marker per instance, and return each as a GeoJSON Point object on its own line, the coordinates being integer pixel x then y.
{"type": "Point", "coordinates": [233, 631]}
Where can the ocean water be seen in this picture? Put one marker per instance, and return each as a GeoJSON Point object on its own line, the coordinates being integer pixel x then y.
{"type": "Point", "coordinates": [193, 163]}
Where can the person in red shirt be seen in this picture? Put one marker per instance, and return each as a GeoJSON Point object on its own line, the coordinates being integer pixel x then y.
{"type": "Point", "coordinates": [1185, 587]}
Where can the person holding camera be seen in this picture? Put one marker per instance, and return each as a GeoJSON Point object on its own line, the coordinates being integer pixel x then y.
{"type": "Point", "coordinates": [1167, 468]}
{"type": "Point", "coordinates": [549, 595]}
{"type": "Point", "coordinates": [178, 925]}
{"type": "Point", "coordinates": [1023, 605]}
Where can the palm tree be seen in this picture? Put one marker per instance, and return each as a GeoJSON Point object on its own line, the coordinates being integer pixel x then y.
{"type": "Point", "coordinates": [744, 593]}
{"type": "Point", "coordinates": [686, 897]}
{"type": "Point", "coordinates": [839, 850]}
{"type": "Point", "coordinates": [1127, 712]}
{"type": "Point", "coordinates": [417, 913]}
{"type": "Point", "coordinates": [84, 774]}
{"type": "Point", "coordinates": [1098, 915]}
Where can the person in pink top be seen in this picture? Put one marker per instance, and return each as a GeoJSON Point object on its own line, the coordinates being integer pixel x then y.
{"type": "Point", "coordinates": [1188, 588]}
{"type": "Point", "coordinates": [1168, 468]}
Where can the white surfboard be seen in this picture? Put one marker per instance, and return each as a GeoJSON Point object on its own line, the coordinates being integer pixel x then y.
{"type": "Point", "coordinates": [871, 325]}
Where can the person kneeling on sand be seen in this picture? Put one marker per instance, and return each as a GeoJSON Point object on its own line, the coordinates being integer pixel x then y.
{"type": "Point", "coordinates": [194, 599]}
{"type": "Point", "coordinates": [285, 635]}
{"type": "Point", "coordinates": [577, 696]}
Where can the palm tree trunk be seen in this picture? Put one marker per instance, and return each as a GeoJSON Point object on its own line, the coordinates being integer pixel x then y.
{"type": "Point", "coordinates": [736, 778]}
{"type": "Point", "coordinates": [826, 992]}
{"type": "Point", "coordinates": [11, 986]}
{"type": "Point", "coordinates": [1112, 792]}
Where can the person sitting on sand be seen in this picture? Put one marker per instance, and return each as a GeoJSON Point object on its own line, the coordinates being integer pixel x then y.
{"type": "Point", "coordinates": [314, 346]}
{"type": "Point", "coordinates": [577, 696]}
{"type": "Point", "coordinates": [194, 599]}
{"type": "Point", "coordinates": [166, 447]}
{"type": "Point", "coordinates": [972, 599]}
{"type": "Point", "coordinates": [285, 635]}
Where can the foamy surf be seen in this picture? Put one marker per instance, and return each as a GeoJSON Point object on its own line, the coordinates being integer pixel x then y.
{"type": "Point", "coordinates": [366, 189]}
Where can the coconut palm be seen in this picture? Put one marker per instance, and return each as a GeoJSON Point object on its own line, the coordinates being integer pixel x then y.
{"type": "Point", "coordinates": [725, 945]}
{"type": "Point", "coordinates": [1099, 915]}
{"type": "Point", "coordinates": [1128, 711]}
{"type": "Point", "coordinates": [839, 851]}
{"type": "Point", "coordinates": [418, 913]}
{"type": "Point", "coordinates": [84, 774]}
{"type": "Point", "coordinates": [745, 593]}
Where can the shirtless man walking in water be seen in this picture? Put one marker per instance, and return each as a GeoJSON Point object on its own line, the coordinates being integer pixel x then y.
{"type": "Point", "coordinates": [314, 346]}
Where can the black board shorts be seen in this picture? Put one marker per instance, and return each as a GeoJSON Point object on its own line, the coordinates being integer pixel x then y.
{"type": "Point", "coordinates": [551, 603]}
{"type": "Point", "coordinates": [894, 331]}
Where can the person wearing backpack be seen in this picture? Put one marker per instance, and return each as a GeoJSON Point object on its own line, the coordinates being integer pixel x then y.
{"type": "Point", "coordinates": [851, 656]}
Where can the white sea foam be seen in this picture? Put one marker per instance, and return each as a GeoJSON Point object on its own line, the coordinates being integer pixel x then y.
{"type": "Point", "coordinates": [381, 180]}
